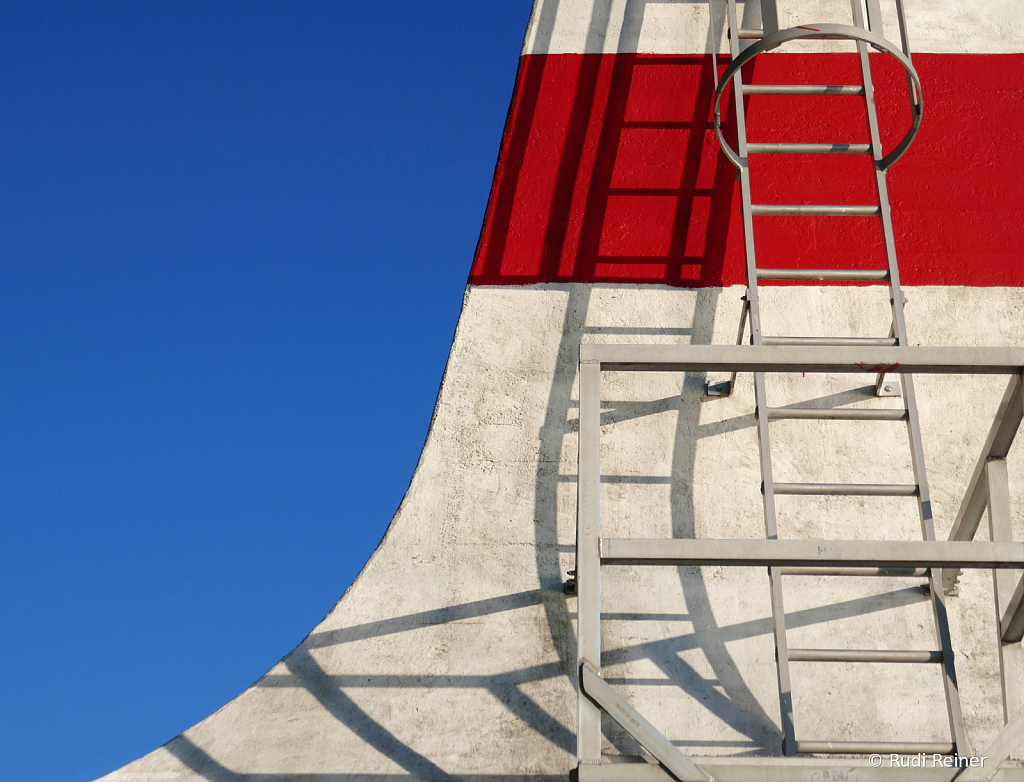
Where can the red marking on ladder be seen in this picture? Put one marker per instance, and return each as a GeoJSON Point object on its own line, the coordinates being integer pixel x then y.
{"type": "Point", "coordinates": [805, 27]}
{"type": "Point", "coordinates": [883, 367]}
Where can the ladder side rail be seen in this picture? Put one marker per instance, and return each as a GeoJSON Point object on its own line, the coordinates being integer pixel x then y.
{"type": "Point", "coordinates": [938, 599]}
{"type": "Point", "coordinates": [760, 399]}
{"type": "Point", "coordinates": [769, 17]}
{"type": "Point", "coordinates": [588, 558]}
{"type": "Point", "coordinates": [726, 388]}
{"type": "Point", "coordinates": [874, 17]}
{"type": "Point", "coordinates": [753, 302]}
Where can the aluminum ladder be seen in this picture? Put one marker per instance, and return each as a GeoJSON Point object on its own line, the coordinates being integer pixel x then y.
{"type": "Point", "coordinates": [864, 32]}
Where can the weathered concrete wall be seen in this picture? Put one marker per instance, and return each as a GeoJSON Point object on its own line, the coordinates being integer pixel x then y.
{"type": "Point", "coordinates": [452, 652]}
{"type": "Point", "coordinates": [452, 655]}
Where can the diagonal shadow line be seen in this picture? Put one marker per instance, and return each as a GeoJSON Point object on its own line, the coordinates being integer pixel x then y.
{"type": "Point", "coordinates": [823, 402]}
{"type": "Point", "coordinates": [485, 681]}
{"type": "Point", "coordinates": [629, 480]}
{"type": "Point", "coordinates": [842, 610]}
{"type": "Point", "coordinates": [861, 606]}
{"type": "Point", "coordinates": [627, 411]}
{"type": "Point", "coordinates": [200, 762]}
{"type": "Point", "coordinates": [530, 712]}
{"type": "Point", "coordinates": [718, 702]}
{"type": "Point", "coordinates": [807, 617]}
{"type": "Point", "coordinates": [655, 331]}
{"type": "Point", "coordinates": [438, 616]}
{"type": "Point", "coordinates": [340, 706]}
{"type": "Point", "coordinates": [437, 682]}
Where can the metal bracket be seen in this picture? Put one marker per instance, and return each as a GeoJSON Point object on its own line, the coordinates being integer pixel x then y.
{"type": "Point", "coordinates": [888, 386]}
{"type": "Point", "coordinates": [605, 696]}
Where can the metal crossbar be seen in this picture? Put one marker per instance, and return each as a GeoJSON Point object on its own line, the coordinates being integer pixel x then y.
{"type": "Point", "coordinates": [924, 558]}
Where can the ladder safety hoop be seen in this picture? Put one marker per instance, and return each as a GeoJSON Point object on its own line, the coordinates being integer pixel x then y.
{"type": "Point", "coordinates": [824, 32]}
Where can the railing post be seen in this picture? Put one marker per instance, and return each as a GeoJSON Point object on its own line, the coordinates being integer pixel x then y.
{"type": "Point", "coordinates": [588, 558]}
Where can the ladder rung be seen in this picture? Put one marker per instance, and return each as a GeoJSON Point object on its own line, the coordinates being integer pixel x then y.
{"type": "Point", "coordinates": [862, 656]}
{"type": "Point", "coordinates": [808, 149]}
{"type": "Point", "coordinates": [751, 35]}
{"type": "Point", "coordinates": [835, 414]}
{"type": "Point", "coordinates": [848, 489]}
{"type": "Point", "coordinates": [803, 89]}
{"type": "Point", "coordinates": [824, 210]}
{"type": "Point", "coordinates": [874, 748]}
{"type": "Point", "coordinates": [823, 274]}
{"type": "Point", "coordinates": [891, 572]}
{"type": "Point", "coordinates": [831, 341]}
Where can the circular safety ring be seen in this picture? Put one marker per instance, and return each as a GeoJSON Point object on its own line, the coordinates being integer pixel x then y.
{"type": "Point", "coordinates": [820, 32]}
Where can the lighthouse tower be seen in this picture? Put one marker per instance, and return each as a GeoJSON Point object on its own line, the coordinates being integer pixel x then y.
{"type": "Point", "coordinates": [616, 218]}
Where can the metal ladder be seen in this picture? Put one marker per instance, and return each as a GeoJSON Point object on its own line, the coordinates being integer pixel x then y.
{"type": "Point", "coordinates": [865, 32]}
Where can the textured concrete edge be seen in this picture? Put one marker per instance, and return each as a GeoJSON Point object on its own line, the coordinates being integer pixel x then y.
{"type": "Point", "coordinates": [363, 571]}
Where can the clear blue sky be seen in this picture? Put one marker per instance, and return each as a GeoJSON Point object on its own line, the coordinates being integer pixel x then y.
{"type": "Point", "coordinates": [234, 239]}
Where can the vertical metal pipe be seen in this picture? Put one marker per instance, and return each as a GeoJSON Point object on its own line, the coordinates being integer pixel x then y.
{"type": "Point", "coordinates": [588, 558]}
{"type": "Point", "coordinates": [770, 17]}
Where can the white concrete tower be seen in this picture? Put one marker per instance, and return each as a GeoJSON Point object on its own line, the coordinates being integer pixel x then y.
{"type": "Point", "coordinates": [614, 218]}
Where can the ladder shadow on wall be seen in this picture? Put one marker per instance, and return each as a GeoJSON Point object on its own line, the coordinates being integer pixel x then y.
{"type": "Point", "coordinates": [625, 184]}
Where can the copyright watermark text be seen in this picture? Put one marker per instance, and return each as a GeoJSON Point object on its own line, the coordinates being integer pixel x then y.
{"type": "Point", "coordinates": [922, 760]}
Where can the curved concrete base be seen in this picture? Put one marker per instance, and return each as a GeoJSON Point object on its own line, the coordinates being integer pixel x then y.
{"type": "Point", "coordinates": [452, 655]}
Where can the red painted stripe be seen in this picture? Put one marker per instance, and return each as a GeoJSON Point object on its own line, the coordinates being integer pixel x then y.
{"type": "Point", "coordinates": [610, 172]}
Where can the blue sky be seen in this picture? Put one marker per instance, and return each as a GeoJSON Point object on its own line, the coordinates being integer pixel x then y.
{"type": "Point", "coordinates": [234, 239]}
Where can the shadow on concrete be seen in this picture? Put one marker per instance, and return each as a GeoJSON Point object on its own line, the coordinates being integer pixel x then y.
{"type": "Point", "coordinates": [625, 182]}
{"type": "Point", "coordinates": [200, 762]}
{"type": "Point", "coordinates": [330, 690]}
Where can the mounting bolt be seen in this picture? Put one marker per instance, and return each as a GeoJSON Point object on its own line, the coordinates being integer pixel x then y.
{"type": "Point", "coordinates": [887, 388]}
